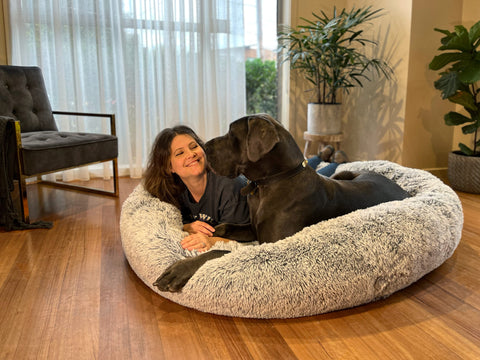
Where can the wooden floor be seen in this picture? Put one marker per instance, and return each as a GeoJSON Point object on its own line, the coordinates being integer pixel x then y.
{"type": "Point", "coordinates": [68, 293]}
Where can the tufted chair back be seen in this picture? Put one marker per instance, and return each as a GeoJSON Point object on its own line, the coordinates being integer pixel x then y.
{"type": "Point", "coordinates": [23, 97]}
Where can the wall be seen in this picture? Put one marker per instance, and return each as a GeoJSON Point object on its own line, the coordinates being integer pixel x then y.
{"type": "Point", "coordinates": [374, 120]}
{"type": "Point", "coordinates": [427, 140]}
{"type": "Point", "coordinates": [399, 120]}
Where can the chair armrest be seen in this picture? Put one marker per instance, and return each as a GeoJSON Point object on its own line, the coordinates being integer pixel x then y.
{"type": "Point", "coordinates": [18, 133]}
{"type": "Point", "coordinates": [18, 136]}
{"type": "Point", "coordinates": [18, 140]}
{"type": "Point", "coordinates": [7, 117]}
{"type": "Point", "coordinates": [113, 130]}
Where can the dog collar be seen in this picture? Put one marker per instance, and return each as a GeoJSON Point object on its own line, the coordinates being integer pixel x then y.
{"type": "Point", "coordinates": [252, 185]}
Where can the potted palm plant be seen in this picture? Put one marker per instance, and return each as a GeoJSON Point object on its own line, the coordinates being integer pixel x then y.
{"type": "Point", "coordinates": [459, 82]}
{"type": "Point", "coordinates": [329, 52]}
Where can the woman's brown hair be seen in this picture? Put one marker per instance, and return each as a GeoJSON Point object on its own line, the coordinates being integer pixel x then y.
{"type": "Point", "coordinates": [159, 180]}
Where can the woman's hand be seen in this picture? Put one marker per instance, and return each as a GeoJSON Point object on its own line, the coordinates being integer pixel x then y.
{"type": "Point", "coordinates": [199, 242]}
{"type": "Point", "coordinates": [199, 227]}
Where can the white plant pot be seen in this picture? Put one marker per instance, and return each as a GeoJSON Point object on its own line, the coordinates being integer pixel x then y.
{"type": "Point", "coordinates": [324, 119]}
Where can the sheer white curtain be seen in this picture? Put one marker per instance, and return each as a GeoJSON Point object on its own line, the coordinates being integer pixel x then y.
{"type": "Point", "coordinates": [154, 63]}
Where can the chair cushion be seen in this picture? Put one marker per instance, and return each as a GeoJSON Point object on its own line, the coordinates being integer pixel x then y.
{"type": "Point", "coordinates": [45, 151]}
{"type": "Point", "coordinates": [23, 96]}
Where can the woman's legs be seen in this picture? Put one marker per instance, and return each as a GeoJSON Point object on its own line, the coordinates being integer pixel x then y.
{"type": "Point", "coordinates": [328, 170]}
{"type": "Point", "coordinates": [325, 155]}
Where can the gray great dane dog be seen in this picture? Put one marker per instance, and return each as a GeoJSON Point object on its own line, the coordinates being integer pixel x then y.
{"type": "Point", "coordinates": [284, 194]}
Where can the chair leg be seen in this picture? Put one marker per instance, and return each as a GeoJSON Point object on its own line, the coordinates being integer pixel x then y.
{"type": "Point", "coordinates": [22, 180]}
{"type": "Point", "coordinates": [115, 177]}
{"type": "Point", "coordinates": [22, 187]}
{"type": "Point", "coordinates": [114, 193]}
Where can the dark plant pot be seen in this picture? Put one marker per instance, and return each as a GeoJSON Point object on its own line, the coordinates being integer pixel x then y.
{"type": "Point", "coordinates": [464, 172]}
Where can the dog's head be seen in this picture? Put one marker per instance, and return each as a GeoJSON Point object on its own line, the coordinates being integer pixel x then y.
{"type": "Point", "coordinates": [249, 140]}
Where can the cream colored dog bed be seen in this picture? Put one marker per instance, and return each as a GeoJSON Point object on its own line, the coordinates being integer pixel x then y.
{"type": "Point", "coordinates": [340, 263]}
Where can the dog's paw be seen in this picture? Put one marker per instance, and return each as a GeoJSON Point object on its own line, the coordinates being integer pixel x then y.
{"type": "Point", "coordinates": [239, 232]}
{"type": "Point", "coordinates": [175, 276]}
{"type": "Point", "coordinates": [221, 230]}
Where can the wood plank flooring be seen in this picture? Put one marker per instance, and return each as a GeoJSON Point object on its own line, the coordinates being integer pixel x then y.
{"type": "Point", "coordinates": [68, 293]}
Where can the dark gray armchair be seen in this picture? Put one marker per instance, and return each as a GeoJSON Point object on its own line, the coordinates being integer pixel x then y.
{"type": "Point", "coordinates": [41, 148]}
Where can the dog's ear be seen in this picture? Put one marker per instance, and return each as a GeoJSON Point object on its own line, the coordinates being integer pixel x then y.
{"type": "Point", "coordinates": [261, 138]}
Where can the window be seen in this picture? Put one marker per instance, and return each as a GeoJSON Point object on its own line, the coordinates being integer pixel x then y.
{"type": "Point", "coordinates": [260, 17]}
{"type": "Point", "coordinates": [153, 63]}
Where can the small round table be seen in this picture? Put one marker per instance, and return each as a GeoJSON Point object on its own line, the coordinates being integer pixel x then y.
{"type": "Point", "coordinates": [322, 140]}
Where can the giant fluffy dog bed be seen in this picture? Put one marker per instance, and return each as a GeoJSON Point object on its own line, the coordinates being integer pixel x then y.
{"type": "Point", "coordinates": [340, 263]}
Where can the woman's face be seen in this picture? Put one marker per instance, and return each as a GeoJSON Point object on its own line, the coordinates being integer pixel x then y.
{"type": "Point", "coordinates": [187, 157]}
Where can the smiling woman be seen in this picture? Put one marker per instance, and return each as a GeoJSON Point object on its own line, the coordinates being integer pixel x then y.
{"type": "Point", "coordinates": [188, 162]}
{"type": "Point", "coordinates": [177, 173]}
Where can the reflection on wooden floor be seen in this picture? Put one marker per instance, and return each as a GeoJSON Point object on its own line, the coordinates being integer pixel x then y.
{"type": "Point", "coordinates": [68, 293]}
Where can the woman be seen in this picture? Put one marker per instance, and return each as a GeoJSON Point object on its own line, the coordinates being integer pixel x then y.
{"type": "Point", "coordinates": [177, 173]}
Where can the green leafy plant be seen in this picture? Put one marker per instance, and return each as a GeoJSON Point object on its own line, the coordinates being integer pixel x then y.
{"type": "Point", "coordinates": [328, 51]}
{"type": "Point", "coordinates": [459, 83]}
{"type": "Point", "coordinates": [261, 86]}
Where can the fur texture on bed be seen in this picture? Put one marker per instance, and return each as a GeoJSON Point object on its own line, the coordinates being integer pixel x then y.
{"type": "Point", "coordinates": [340, 263]}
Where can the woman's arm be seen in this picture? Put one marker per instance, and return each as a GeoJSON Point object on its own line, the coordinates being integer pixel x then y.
{"type": "Point", "coordinates": [199, 227]}
{"type": "Point", "coordinates": [200, 242]}
{"type": "Point", "coordinates": [201, 236]}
